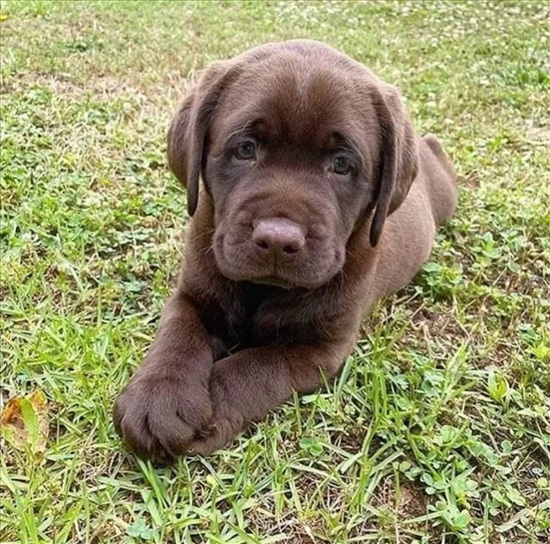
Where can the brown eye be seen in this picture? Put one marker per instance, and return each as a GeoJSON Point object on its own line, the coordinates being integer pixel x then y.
{"type": "Point", "coordinates": [340, 165]}
{"type": "Point", "coordinates": [246, 151]}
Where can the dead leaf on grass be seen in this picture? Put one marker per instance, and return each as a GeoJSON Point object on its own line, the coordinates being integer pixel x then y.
{"type": "Point", "coordinates": [24, 422]}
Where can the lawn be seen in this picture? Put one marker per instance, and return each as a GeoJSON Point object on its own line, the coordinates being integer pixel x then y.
{"type": "Point", "coordinates": [438, 428]}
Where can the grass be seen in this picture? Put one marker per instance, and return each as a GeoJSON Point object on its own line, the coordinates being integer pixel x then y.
{"type": "Point", "coordinates": [437, 430]}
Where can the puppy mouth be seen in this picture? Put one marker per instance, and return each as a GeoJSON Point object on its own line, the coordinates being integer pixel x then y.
{"type": "Point", "coordinates": [273, 281]}
{"type": "Point", "coordinates": [278, 280]}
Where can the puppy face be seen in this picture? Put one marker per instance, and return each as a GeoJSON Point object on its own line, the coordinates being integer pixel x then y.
{"type": "Point", "coordinates": [289, 167]}
{"type": "Point", "coordinates": [297, 145]}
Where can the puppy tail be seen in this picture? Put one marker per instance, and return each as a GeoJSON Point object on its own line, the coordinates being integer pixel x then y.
{"type": "Point", "coordinates": [437, 149]}
{"type": "Point", "coordinates": [444, 190]}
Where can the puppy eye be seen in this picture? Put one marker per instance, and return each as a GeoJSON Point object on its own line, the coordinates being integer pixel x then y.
{"type": "Point", "coordinates": [340, 165]}
{"type": "Point", "coordinates": [246, 151]}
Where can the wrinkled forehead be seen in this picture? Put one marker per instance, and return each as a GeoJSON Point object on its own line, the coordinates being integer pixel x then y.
{"type": "Point", "coordinates": [295, 103]}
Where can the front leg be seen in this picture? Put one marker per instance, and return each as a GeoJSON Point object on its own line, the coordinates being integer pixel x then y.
{"type": "Point", "coordinates": [246, 386]}
{"type": "Point", "coordinates": [166, 405]}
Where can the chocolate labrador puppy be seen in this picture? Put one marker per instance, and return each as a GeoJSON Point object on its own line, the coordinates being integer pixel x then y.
{"type": "Point", "coordinates": [318, 200]}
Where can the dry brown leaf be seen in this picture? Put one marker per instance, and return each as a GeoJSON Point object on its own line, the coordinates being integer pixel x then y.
{"type": "Point", "coordinates": [24, 422]}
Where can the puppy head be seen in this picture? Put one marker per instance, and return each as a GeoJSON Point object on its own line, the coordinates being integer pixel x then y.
{"type": "Point", "coordinates": [297, 146]}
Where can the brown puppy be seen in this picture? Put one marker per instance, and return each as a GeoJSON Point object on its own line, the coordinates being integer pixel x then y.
{"type": "Point", "coordinates": [318, 200]}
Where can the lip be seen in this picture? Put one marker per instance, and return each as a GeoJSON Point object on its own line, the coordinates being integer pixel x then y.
{"type": "Point", "coordinates": [274, 281]}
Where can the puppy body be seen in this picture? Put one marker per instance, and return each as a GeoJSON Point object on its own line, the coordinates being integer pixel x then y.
{"type": "Point", "coordinates": [319, 200]}
{"type": "Point", "coordinates": [409, 232]}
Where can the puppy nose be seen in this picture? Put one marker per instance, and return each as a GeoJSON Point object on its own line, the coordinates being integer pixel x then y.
{"type": "Point", "coordinates": [278, 237]}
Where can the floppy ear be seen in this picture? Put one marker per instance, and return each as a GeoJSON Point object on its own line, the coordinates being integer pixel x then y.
{"type": "Point", "coordinates": [189, 127]}
{"type": "Point", "coordinates": [399, 156]}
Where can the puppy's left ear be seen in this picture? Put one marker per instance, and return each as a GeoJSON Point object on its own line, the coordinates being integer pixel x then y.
{"type": "Point", "coordinates": [399, 156]}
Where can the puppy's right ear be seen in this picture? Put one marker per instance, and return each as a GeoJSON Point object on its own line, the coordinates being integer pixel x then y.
{"type": "Point", "coordinates": [189, 128]}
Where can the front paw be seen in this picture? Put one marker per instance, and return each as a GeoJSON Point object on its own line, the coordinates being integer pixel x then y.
{"type": "Point", "coordinates": [222, 433]}
{"type": "Point", "coordinates": [228, 419]}
{"type": "Point", "coordinates": [160, 418]}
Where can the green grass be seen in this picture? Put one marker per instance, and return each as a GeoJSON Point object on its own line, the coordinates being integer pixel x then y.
{"type": "Point", "coordinates": [437, 430]}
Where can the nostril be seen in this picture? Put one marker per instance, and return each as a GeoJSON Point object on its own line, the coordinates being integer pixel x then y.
{"type": "Point", "coordinates": [290, 249]}
{"type": "Point", "coordinates": [262, 244]}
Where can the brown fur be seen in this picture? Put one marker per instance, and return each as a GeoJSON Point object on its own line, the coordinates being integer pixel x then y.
{"type": "Point", "coordinates": [287, 250]}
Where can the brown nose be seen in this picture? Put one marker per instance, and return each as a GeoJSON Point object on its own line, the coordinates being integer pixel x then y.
{"type": "Point", "coordinates": [278, 237]}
